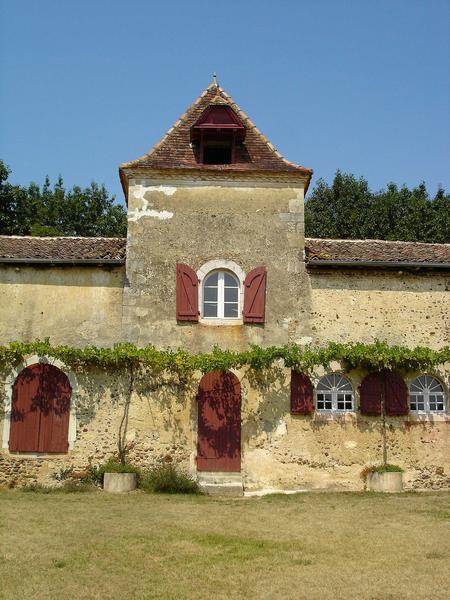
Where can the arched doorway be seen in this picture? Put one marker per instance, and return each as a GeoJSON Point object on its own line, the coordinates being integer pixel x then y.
{"type": "Point", "coordinates": [40, 410]}
{"type": "Point", "coordinates": [219, 422]}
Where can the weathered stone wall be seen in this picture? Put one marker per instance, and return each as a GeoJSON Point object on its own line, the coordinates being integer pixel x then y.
{"type": "Point", "coordinates": [252, 223]}
{"type": "Point", "coordinates": [71, 305]}
{"type": "Point", "coordinates": [279, 450]}
{"type": "Point", "coordinates": [329, 450]}
{"type": "Point", "coordinates": [249, 222]}
{"type": "Point", "coordinates": [400, 307]}
{"type": "Point", "coordinates": [159, 426]}
{"type": "Point", "coordinates": [261, 223]}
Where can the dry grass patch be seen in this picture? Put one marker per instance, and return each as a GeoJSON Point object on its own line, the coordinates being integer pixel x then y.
{"type": "Point", "coordinates": [148, 547]}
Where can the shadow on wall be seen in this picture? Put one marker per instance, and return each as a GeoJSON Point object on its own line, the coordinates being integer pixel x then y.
{"type": "Point", "coordinates": [365, 280]}
{"type": "Point", "coordinates": [166, 398]}
{"type": "Point", "coordinates": [65, 276]}
{"type": "Point", "coordinates": [94, 387]}
{"type": "Point", "coordinates": [273, 388]}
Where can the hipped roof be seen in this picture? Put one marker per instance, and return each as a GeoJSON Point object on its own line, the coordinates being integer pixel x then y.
{"type": "Point", "coordinates": [175, 151]}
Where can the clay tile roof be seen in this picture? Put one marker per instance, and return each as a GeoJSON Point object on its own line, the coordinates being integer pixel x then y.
{"type": "Point", "coordinates": [318, 252]}
{"type": "Point", "coordinates": [175, 152]}
{"type": "Point", "coordinates": [62, 249]}
{"type": "Point", "coordinates": [323, 252]}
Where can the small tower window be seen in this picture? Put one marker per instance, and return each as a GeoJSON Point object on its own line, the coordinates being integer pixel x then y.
{"type": "Point", "coordinates": [216, 134]}
{"type": "Point", "coordinates": [217, 153]}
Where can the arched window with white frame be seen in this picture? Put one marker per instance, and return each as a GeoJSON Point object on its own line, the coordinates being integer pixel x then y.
{"type": "Point", "coordinates": [426, 395]}
{"type": "Point", "coordinates": [221, 295]}
{"type": "Point", "coordinates": [334, 393]}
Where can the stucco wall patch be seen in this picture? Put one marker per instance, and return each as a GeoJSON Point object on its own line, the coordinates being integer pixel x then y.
{"type": "Point", "coordinates": [146, 206]}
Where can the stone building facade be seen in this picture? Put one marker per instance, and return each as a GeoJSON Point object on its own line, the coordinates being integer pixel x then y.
{"type": "Point", "coordinates": [216, 255]}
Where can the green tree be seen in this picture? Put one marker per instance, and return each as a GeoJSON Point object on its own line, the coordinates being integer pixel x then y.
{"type": "Point", "coordinates": [439, 225]}
{"type": "Point", "coordinates": [348, 209]}
{"type": "Point", "coordinates": [55, 211]}
{"type": "Point", "coordinates": [13, 217]}
{"type": "Point", "coordinates": [339, 210]}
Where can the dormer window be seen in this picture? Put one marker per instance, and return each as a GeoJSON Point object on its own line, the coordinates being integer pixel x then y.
{"type": "Point", "coordinates": [216, 134]}
{"type": "Point", "coordinates": [217, 152]}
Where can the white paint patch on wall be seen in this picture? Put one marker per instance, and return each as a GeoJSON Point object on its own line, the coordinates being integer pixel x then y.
{"type": "Point", "coordinates": [146, 209]}
{"type": "Point", "coordinates": [135, 215]}
{"type": "Point", "coordinates": [281, 428]}
{"type": "Point", "coordinates": [167, 190]}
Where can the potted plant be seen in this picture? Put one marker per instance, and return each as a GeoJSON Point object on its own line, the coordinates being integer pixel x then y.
{"type": "Point", "coordinates": [120, 476]}
{"type": "Point", "coordinates": [117, 477]}
{"type": "Point", "coordinates": [383, 478]}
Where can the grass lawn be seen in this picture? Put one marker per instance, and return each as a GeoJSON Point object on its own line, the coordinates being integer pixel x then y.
{"type": "Point", "coordinates": [141, 546]}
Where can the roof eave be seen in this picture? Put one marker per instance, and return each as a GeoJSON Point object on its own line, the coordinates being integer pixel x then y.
{"type": "Point", "coordinates": [376, 264]}
{"type": "Point", "coordinates": [64, 261]}
{"type": "Point", "coordinates": [124, 183]}
{"type": "Point", "coordinates": [129, 170]}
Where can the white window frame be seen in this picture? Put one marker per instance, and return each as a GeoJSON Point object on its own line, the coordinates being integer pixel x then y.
{"type": "Point", "coordinates": [426, 397]}
{"type": "Point", "coordinates": [334, 391]}
{"type": "Point", "coordinates": [221, 266]}
{"type": "Point", "coordinates": [221, 295]}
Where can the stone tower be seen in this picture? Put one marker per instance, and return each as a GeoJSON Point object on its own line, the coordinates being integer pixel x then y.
{"type": "Point", "coordinates": [215, 198]}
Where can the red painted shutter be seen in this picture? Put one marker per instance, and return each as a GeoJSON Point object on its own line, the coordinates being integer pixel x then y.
{"type": "Point", "coordinates": [302, 394]}
{"type": "Point", "coordinates": [187, 293]}
{"type": "Point", "coordinates": [255, 296]}
{"type": "Point", "coordinates": [396, 394]}
{"type": "Point", "coordinates": [370, 395]}
{"type": "Point", "coordinates": [55, 410]}
{"type": "Point", "coordinates": [25, 411]}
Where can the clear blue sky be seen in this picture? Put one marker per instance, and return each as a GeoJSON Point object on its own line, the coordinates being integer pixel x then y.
{"type": "Point", "coordinates": [359, 85]}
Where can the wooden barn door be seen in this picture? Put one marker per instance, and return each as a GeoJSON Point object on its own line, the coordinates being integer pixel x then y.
{"type": "Point", "coordinates": [219, 423]}
{"type": "Point", "coordinates": [40, 410]}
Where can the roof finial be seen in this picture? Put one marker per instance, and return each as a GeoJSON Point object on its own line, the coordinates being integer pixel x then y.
{"type": "Point", "coordinates": [214, 81]}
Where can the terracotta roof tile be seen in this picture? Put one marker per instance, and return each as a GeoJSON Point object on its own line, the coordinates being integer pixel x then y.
{"type": "Point", "coordinates": [354, 251]}
{"type": "Point", "coordinates": [175, 152]}
{"type": "Point", "coordinates": [49, 249]}
{"type": "Point", "coordinates": [317, 251]}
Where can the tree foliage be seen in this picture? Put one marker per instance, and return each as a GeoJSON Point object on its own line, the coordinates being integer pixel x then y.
{"type": "Point", "coordinates": [54, 211]}
{"type": "Point", "coordinates": [348, 209]}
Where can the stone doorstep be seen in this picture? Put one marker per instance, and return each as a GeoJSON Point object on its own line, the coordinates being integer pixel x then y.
{"type": "Point", "coordinates": [218, 483]}
{"type": "Point", "coordinates": [268, 491]}
{"type": "Point", "coordinates": [222, 489]}
{"type": "Point", "coordinates": [219, 477]}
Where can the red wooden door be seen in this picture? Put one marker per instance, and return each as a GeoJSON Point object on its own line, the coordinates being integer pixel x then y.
{"type": "Point", "coordinates": [40, 410]}
{"type": "Point", "coordinates": [25, 412]}
{"type": "Point", "coordinates": [219, 422]}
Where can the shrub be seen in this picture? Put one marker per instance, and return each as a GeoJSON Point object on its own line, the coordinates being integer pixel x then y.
{"type": "Point", "coordinates": [68, 486]}
{"type": "Point", "coordinates": [75, 486]}
{"type": "Point", "coordinates": [112, 466]}
{"type": "Point", "coordinates": [38, 488]}
{"type": "Point", "coordinates": [167, 479]}
{"type": "Point", "coordinates": [63, 474]}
